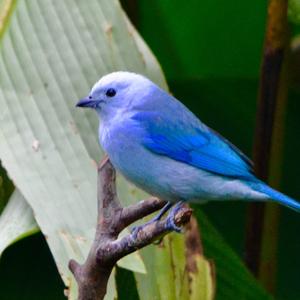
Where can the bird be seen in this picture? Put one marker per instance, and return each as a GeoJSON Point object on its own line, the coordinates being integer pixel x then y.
{"type": "Point", "coordinates": [160, 146]}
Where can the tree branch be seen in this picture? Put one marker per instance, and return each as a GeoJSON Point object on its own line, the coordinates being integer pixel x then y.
{"type": "Point", "coordinates": [106, 250]}
{"type": "Point", "coordinates": [141, 209]}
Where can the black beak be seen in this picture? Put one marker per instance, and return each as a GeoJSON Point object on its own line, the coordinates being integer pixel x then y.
{"type": "Point", "coordinates": [86, 102]}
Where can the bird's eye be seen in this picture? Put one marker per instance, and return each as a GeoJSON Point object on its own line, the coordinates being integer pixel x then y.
{"type": "Point", "coordinates": [111, 92]}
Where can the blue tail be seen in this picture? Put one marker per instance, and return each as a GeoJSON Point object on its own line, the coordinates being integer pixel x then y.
{"type": "Point", "coordinates": [277, 196]}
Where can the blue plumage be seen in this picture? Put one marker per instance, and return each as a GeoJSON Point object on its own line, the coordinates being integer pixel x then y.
{"type": "Point", "coordinates": [275, 195]}
{"type": "Point", "coordinates": [162, 147]}
{"type": "Point", "coordinates": [192, 145]}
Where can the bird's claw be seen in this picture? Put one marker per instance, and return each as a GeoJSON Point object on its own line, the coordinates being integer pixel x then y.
{"type": "Point", "coordinates": [171, 226]}
{"type": "Point", "coordinates": [135, 230]}
{"type": "Point", "coordinates": [170, 223]}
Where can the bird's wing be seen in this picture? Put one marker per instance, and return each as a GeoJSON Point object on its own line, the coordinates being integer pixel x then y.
{"type": "Point", "coordinates": [192, 143]}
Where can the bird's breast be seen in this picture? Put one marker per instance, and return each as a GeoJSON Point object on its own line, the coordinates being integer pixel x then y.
{"type": "Point", "coordinates": [162, 176]}
{"type": "Point", "coordinates": [120, 140]}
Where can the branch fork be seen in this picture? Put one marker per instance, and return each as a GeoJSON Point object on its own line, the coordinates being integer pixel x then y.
{"type": "Point", "coordinates": [92, 276]}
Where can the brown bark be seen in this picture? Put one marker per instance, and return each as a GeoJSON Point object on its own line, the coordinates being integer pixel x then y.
{"type": "Point", "coordinates": [92, 276]}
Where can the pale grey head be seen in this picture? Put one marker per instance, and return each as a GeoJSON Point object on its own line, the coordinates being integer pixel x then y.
{"type": "Point", "coordinates": [117, 91]}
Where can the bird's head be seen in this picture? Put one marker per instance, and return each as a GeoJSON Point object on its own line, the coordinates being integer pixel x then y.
{"type": "Point", "coordinates": [117, 91]}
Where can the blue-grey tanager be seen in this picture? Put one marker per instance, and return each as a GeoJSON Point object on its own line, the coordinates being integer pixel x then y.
{"type": "Point", "coordinates": [163, 148]}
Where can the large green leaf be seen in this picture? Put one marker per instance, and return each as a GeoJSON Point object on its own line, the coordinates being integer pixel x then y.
{"type": "Point", "coordinates": [51, 54]}
{"type": "Point", "coordinates": [16, 221]}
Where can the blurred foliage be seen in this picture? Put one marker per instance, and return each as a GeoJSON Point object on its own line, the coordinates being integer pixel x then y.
{"type": "Point", "coordinates": [126, 282]}
{"type": "Point", "coordinates": [211, 53]}
{"type": "Point", "coordinates": [294, 11]}
{"type": "Point", "coordinates": [235, 119]}
{"type": "Point", "coordinates": [205, 38]}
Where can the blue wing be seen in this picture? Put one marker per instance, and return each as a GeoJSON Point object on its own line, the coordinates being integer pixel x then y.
{"type": "Point", "coordinates": [192, 143]}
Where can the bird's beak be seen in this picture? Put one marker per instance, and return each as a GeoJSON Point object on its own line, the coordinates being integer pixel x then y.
{"type": "Point", "coordinates": [87, 102]}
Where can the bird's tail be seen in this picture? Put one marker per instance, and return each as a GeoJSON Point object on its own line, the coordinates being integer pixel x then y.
{"type": "Point", "coordinates": [277, 196]}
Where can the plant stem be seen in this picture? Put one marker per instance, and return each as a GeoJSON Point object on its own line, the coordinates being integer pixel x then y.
{"type": "Point", "coordinates": [273, 55]}
{"type": "Point", "coordinates": [269, 243]}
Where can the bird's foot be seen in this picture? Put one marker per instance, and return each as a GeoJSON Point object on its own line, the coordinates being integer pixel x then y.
{"type": "Point", "coordinates": [136, 229]}
{"type": "Point", "coordinates": [170, 223]}
{"type": "Point", "coordinates": [170, 220]}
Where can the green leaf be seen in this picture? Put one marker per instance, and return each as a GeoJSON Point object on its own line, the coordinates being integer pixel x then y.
{"type": "Point", "coordinates": [294, 11]}
{"type": "Point", "coordinates": [167, 267]}
{"type": "Point", "coordinates": [16, 221]}
{"type": "Point", "coordinates": [51, 54]}
{"type": "Point", "coordinates": [201, 282]}
{"type": "Point", "coordinates": [185, 272]}
{"type": "Point", "coordinates": [170, 268]}
{"type": "Point", "coordinates": [233, 278]}
{"type": "Point", "coordinates": [111, 293]}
